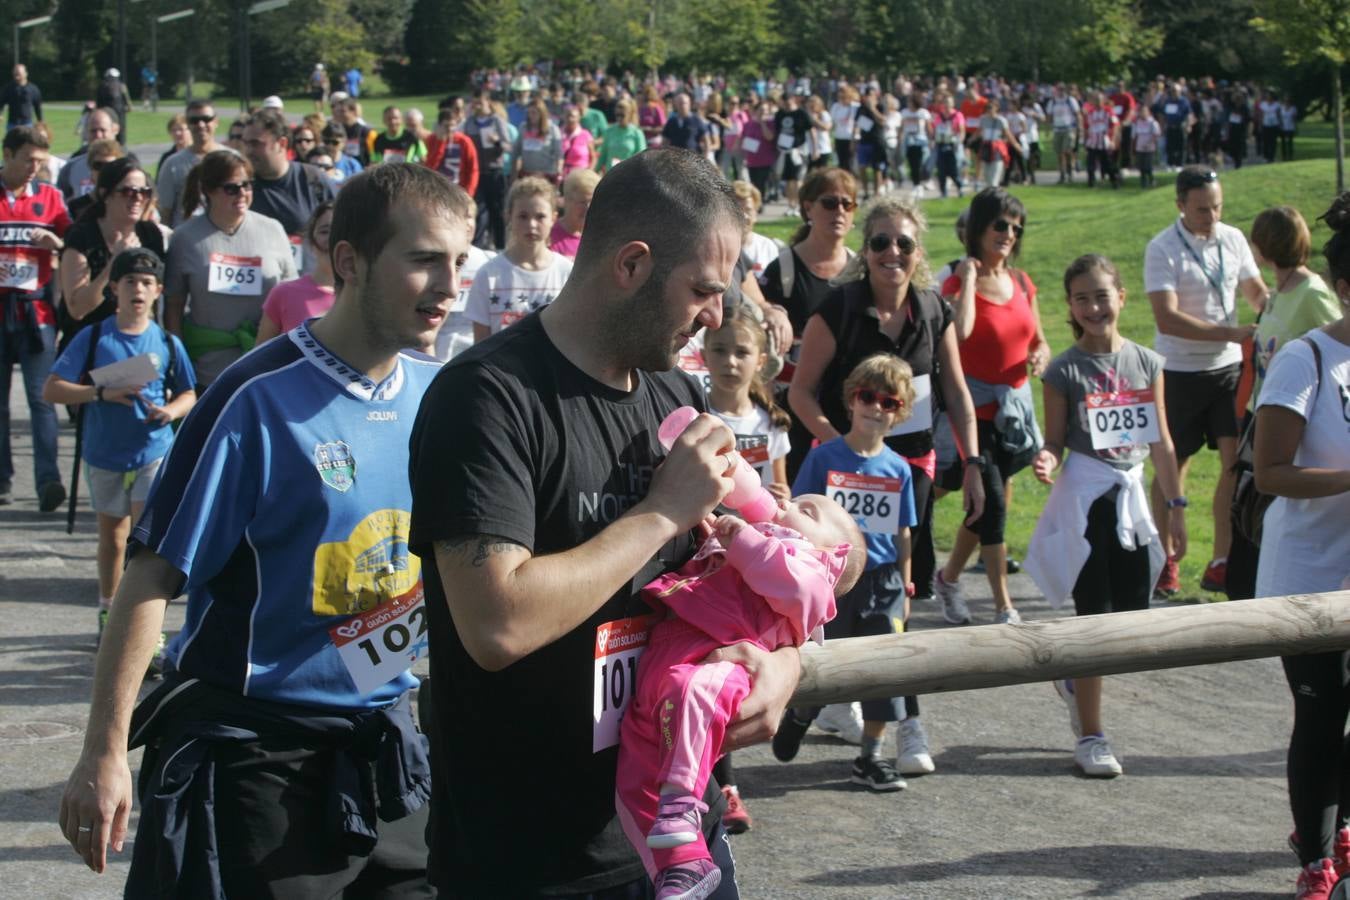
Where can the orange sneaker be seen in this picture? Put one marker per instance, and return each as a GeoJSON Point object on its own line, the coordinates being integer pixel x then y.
{"type": "Point", "coordinates": [736, 819]}
{"type": "Point", "coordinates": [1216, 576]}
{"type": "Point", "coordinates": [1169, 583]}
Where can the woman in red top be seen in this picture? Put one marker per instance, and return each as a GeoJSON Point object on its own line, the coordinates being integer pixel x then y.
{"type": "Point", "coordinates": [652, 117]}
{"type": "Point", "coordinates": [998, 324]}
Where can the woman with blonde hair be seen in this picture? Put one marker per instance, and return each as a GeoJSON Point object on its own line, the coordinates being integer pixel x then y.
{"type": "Point", "coordinates": [623, 139]}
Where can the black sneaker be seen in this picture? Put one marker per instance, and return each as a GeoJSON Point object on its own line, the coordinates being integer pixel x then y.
{"type": "Point", "coordinates": [788, 739]}
{"type": "Point", "coordinates": [877, 774]}
{"type": "Point", "coordinates": [51, 495]}
{"type": "Point", "coordinates": [6, 493]}
{"type": "Point", "coordinates": [1013, 566]}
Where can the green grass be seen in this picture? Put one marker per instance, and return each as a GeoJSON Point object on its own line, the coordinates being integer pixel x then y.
{"type": "Point", "coordinates": [1065, 222]}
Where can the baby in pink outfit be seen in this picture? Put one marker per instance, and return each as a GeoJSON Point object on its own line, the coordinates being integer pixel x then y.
{"type": "Point", "coordinates": [770, 584]}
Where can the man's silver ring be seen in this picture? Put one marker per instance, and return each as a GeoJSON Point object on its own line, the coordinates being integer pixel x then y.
{"type": "Point", "coordinates": [84, 828]}
{"type": "Point", "coordinates": [731, 464]}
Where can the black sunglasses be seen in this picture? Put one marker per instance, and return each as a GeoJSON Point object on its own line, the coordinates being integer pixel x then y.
{"type": "Point", "coordinates": [1188, 180]}
{"type": "Point", "coordinates": [304, 140]}
{"type": "Point", "coordinates": [832, 203]}
{"type": "Point", "coordinates": [200, 120]}
{"type": "Point", "coordinates": [235, 188]}
{"type": "Point", "coordinates": [1002, 225]}
{"type": "Point", "coordinates": [880, 243]}
{"type": "Point", "coordinates": [867, 396]}
{"type": "Point", "coordinates": [132, 192]}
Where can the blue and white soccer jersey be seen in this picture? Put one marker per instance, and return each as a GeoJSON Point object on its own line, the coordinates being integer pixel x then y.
{"type": "Point", "coordinates": [285, 502]}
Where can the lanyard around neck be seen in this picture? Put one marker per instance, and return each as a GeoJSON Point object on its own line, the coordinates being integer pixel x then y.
{"type": "Point", "coordinates": [1214, 282]}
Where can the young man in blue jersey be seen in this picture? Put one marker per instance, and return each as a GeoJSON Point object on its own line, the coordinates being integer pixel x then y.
{"type": "Point", "coordinates": [282, 512]}
{"type": "Point", "coordinates": [545, 499]}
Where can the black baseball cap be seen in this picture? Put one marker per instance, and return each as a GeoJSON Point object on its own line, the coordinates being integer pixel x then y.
{"type": "Point", "coordinates": [137, 261]}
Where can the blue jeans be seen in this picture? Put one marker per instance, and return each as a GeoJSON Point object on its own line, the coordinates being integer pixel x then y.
{"type": "Point", "coordinates": [36, 367]}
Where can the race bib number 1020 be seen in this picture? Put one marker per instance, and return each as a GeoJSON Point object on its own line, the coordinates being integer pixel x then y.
{"type": "Point", "coordinates": [379, 645]}
{"type": "Point", "coordinates": [618, 646]}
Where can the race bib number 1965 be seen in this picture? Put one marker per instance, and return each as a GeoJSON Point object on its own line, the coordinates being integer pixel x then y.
{"type": "Point", "coordinates": [1122, 419]}
{"type": "Point", "coordinates": [379, 645]}
{"type": "Point", "coordinates": [238, 275]}
{"type": "Point", "coordinates": [618, 646]}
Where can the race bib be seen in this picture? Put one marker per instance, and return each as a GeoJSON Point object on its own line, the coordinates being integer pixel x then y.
{"type": "Point", "coordinates": [1170, 109]}
{"type": "Point", "coordinates": [237, 275]}
{"type": "Point", "coordinates": [693, 363]}
{"type": "Point", "coordinates": [944, 132]}
{"type": "Point", "coordinates": [921, 417]}
{"type": "Point", "coordinates": [394, 156]}
{"type": "Point", "coordinates": [1122, 419]}
{"type": "Point", "coordinates": [1120, 110]}
{"type": "Point", "coordinates": [18, 270]}
{"type": "Point", "coordinates": [297, 251]}
{"type": "Point", "coordinates": [872, 501]}
{"type": "Point", "coordinates": [511, 317]}
{"type": "Point", "coordinates": [532, 145]}
{"type": "Point", "coordinates": [753, 448]}
{"type": "Point", "coordinates": [866, 125]}
{"type": "Point", "coordinates": [785, 142]}
{"type": "Point", "coordinates": [352, 148]}
{"type": "Point", "coordinates": [380, 645]}
{"type": "Point", "coordinates": [750, 145]}
{"type": "Point", "coordinates": [1098, 129]}
{"type": "Point", "coordinates": [1235, 118]}
{"type": "Point", "coordinates": [618, 647]}
{"type": "Point", "coordinates": [86, 187]}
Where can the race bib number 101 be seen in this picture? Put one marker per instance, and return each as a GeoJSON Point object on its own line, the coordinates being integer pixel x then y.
{"type": "Point", "coordinates": [379, 645]}
{"type": "Point", "coordinates": [1122, 419]}
{"type": "Point", "coordinates": [618, 646]}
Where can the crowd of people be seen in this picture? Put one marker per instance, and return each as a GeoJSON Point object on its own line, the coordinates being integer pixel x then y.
{"type": "Point", "coordinates": [249, 341]}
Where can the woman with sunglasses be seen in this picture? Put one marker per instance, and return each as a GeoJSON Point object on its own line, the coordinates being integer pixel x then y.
{"type": "Point", "coordinates": [799, 279]}
{"type": "Point", "coordinates": [221, 265]}
{"type": "Point", "coordinates": [998, 325]}
{"type": "Point", "coordinates": [884, 304]}
{"type": "Point", "coordinates": [118, 218]}
{"type": "Point", "coordinates": [303, 140]}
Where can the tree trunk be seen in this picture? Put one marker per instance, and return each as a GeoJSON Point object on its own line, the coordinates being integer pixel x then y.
{"type": "Point", "coordinates": [1340, 127]}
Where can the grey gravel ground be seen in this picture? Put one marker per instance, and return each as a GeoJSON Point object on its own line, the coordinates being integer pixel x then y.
{"type": "Point", "coordinates": [1200, 813]}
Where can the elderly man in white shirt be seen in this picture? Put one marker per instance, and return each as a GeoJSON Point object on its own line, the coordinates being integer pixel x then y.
{"type": "Point", "coordinates": [1193, 270]}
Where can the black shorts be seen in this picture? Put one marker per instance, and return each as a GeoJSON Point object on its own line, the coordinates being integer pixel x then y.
{"type": "Point", "coordinates": [792, 171]}
{"type": "Point", "coordinates": [875, 605]}
{"type": "Point", "coordinates": [1200, 408]}
{"type": "Point", "coordinates": [1112, 579]}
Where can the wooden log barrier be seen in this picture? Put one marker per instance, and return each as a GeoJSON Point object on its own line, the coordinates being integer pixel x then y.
{"type": "Point", "coordinates": [962, 659]}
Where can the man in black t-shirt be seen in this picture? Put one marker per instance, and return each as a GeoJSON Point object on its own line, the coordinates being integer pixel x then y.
{"type": "Point", "coordinates": [545, 500]}
{"type": "Point", "coordinates": [792, 126]}
{"type": "Point", "coordinates": [21, 99]}
{"type": "Point", "coordinates": [285, 190]}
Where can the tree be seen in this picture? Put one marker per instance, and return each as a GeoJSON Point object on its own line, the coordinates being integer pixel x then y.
{"type": "Point", "coordinates": [733, 36]}
{"type": "Point", "coordinates": [1313, 30]}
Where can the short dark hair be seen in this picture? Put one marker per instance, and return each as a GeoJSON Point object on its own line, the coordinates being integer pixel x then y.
{"type": "Point", "coordinates": [362, 213]}
{"type": "Point", "coordinates": [334, 131]}
{"type": "Point", "coordinates": [18, 138]}
{"type": "Point", "coordinates": [986, 208]}
{"type": "Point", "coordinates": [200, 103]}
{"type": "Point", "coordinates": [670, 199]}
{"type": "Point", "coordinates": [110, 176]}
{"type": "Point", "coordinates": [1192, 177]}
{"type": "Point", "coordinates": [272, 121]}
{"type": "Point", "coordinates": [1337, 250]}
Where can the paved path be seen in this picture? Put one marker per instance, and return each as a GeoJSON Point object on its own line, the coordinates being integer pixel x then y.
{"type": "Point", "coordinates": [1201, 812]}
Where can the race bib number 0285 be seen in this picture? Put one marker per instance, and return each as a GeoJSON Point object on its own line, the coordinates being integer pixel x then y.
{"type": "Point", "coordinates": [872, 501]}
{"type": "Point", "coordinates": [618, 646]}
{"type": "Point", "coordinates": [379, 645]}
{"type": "Point", "coordinates": [1122, 419]}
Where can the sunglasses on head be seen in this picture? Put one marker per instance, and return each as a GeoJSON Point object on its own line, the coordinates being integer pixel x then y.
{"type": "Point", "coordinates": [1002, 225]}
{"type": "Point", "coordinates": [1188, 180]}
{"type": "Point", "coordinates": [832, 203]}
{"type": "Point", "coordinates": [880, 243]}
{"type": "Point", "coordinates": [868, 396]}
{"type": "Point", "coordinates": [235, 188]}
{"type": "Point", "coordinates": [200, 120]}
{"type": "Point", "coordinates": [133, 192]}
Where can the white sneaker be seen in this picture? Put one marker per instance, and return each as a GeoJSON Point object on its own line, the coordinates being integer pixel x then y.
{"type": "Point", "coordinates": [1093, 755]}
{"type": "Point", "coordinates": [954, 608]}
{"type": "Point", "coordinates": [843, 720]}
{"type": "Point", "coordinates": [914, 758]}
{"type": "Point", "coordinates": [1064, 687]}
{"type": "Point", "coordinates": [1008, 616]}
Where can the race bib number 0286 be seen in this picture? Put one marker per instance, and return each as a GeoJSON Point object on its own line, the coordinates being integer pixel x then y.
{"type": "Point", "coordinates": [872, 501]}
{"type": "Point", "coordinates": [618, 646]}
{"type": "Point", "coordinates": [1122, 419]}
{"type": "Point", "coordinates": [379, 645]}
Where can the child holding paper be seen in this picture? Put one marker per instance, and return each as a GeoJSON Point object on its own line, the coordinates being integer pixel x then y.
{"type": "Point", "coordinates": [126, 422]}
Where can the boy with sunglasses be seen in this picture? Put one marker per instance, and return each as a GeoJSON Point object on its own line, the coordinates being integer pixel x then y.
{"type": "Point", "coordinates": [873, 484]}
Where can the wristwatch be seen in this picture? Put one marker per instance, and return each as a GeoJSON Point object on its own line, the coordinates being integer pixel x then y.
{"type": "Point", "coordinates": [974, 461]}
{"type": "Point", "coordinates": [98, 393]}
{"type": "Point", "coordinates": [1178, 502]}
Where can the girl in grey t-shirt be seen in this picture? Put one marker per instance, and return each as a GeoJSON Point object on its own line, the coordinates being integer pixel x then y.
{"type": "Point", "coordinates": [1104, 402]}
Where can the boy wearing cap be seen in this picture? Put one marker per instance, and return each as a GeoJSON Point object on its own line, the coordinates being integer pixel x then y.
{"type": "Point", "coordinates": [126, 422]}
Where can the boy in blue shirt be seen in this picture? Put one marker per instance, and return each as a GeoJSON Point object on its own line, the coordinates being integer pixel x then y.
{"type": "Point", "coordinates": [126, 425]}
{"type": "Point", "coordinates": [873, 483]}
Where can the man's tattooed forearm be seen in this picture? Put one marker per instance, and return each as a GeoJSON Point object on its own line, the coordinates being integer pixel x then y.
{"type": "Point", "coordinates": [475, 549]}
